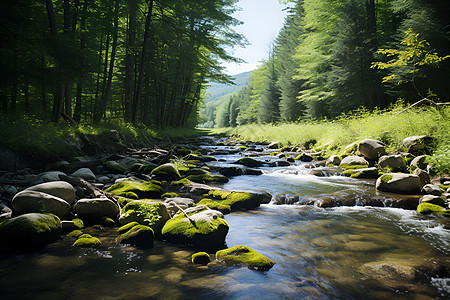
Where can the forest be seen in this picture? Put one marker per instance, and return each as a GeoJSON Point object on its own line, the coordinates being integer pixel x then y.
{"type": "Point", "coordinates": [334, 56]}
{"type": "Point", "coordinates": [140, 62]}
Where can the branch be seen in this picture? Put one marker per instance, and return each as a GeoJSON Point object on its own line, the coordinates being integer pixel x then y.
{"type": "Point", "coordinates": [424, 100]}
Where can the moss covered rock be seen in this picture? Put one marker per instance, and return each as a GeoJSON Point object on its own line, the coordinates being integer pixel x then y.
{"type": "Point", "coordinates": [152, 214]}
{"type": "Point", "coordinates": [437, 200]}
{"type": "Point", "coordinates": [241, 255]}
{"type": "Point", "coordinates": [240, 200]}
{"type": "Point", "coordinates": [75, 234]}
{"type": "Point", "coordinates": [127, 227]}
{"type": "Point", "coordinates": [201, 258]}
{"type": "Point", "coordinates": [86, 241]}
{"type": "Point", "coordinates": [217, 205]}
{"type": "Point", "coordinates": [399, 183]}
{"type": "Point", "coordinates": [136, 189]}
{"type": "Point", "coordinates": [29, 231]}
{"type": "Point", "coordinates": [207, 177]}
{"type": "Point", "coordinates": [174, 204]}
{"type": "Point", "coordinates": [138, 235]}
{"type": "Point", "coordinates": [353, 162]}
{"type": "Point", "coordinates": [166, 172]}
{"type": "Point", "coordinates": [249, 162]}
{"type": "Point", "coordinates": [205, 228]}
{"type": "Point", "coordinates": [426, 208]}
{"type": "Point", "coordinates": [362, 173]}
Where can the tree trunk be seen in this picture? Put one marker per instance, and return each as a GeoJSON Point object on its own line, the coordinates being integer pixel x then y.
{"type": "Point", "coordinates": [143, 63]}
{"type": "Point", "coordinates": [130, 59]}
{"type": "Point", "coordinates": [106, 94]}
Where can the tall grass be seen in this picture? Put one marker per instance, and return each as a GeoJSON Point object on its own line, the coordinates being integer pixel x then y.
{"type": "Point", "coordinates": [390, 126]}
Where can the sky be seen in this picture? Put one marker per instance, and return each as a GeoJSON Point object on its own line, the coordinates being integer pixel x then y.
{"type": "Point", "coordinates": [263, 20]}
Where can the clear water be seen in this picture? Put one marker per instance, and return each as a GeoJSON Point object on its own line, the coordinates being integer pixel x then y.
{"type": "Point", "coordinates": [334, 253]}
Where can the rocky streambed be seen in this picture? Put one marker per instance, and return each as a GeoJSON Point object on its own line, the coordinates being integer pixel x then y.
{"type": "Point", "coordinates": [286, 221]}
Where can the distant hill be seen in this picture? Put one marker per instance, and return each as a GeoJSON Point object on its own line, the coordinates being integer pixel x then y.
{"type": "Point", "coordinates": [218, 90]}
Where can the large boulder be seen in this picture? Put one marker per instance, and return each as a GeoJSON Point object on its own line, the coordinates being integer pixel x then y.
{"type": "Point", "coordinates": [399, 183]}
{"type": "Point", "coordinates": [353, 161]}
{"type": "Point", "coordinates": [96, 208]}
{"type": "Point", "coordinates": [205, 228]}
{"type": "Point", "coordinates": [37, 202]}
{"type": "Point", "coordinates": [29, 231]}
{"type": "Point", "coordinates": [241, 255]}
{"type": "Point", "coordinates": [149, 213]}
{"type": "Point", "coordinates": [371, 149]}
{"type": "Point", "coordinates": [60, 189]}
{"type": "Point", "coordinates": [392, 163]}
{"type": "Point", "coordinates": [421, 144]}
{"type": "Point", "coordinates": [136, 189]}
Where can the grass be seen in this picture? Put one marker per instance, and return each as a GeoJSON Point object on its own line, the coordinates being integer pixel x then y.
{"type": "Point", "coordinates": [390, 126]}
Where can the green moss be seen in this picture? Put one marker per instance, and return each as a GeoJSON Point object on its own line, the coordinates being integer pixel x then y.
{"type": "Point", "coordinates": [353, 167]}
{"type": "Point", "coordinates": [205, 178]}
{"type": "Point", "coordinates": [139, 235]}
{"type": "Point", "coordinates": [181, 182]}
{"type": "Point", "coordinates": [166, 172]}
{"type": "Point", "coordinates": [169, 195]}
{"type": "Point", "coordinates": [444, 187]}
{"type": "Point", "coordinates": [146, 169]}
{"type": "Point", "coordinates": [86, 241]}
{"type": "Point", "coordinates": [78, 223]}
{"type": "Point", "coordinates": [219, 194]}
{"type": "Point", "coordinates": [201, 258]}
{"type": "Point", "coordinates": [183, 166]}
{"type": "Point", "coordinates": [74, 234]}
{"type": "Point", "coordinates": [153, 214]}
{"type": "Point", "coordinates": [241, 255]}
{"type": "Point", "coordinates": [124, 201]}
{"type": "Point", "coordinates": [361, 173]}
{"type": "Point", "coordinates": [108, 222]}
{"type": "Point", "coordinates": [242, 200]}
{"type": "Point", "coordinates": [426, 208]}
{"type": "Point", "coordinates": [386, 178]}
{"type": "Point", "coordinates": [223, 208]}
{"type": "Point", "coordinates": [127, 227]}
{"type": "Point", "coordinates": [136, 190]}
{"type": "Point", "coordinates": [98, 227]}
{"type": "Point", "coordinates": [444, 213]}
{"type": "Point", "coordinates": [243, 148]}
{"type": "Point", "coordinates": [274, 153]}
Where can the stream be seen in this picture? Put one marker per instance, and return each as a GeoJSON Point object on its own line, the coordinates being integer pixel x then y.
{"type": "Point", "coordinates": [351, 252]}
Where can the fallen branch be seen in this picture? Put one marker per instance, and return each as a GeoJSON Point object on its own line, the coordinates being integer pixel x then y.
{"type": "Point", "coordinates": [424, 100]}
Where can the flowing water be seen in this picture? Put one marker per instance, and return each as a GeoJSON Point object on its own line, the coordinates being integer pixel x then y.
{"type": "Point", "coordinates": [334, 253]}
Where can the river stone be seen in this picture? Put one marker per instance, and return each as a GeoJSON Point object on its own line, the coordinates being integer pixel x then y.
{"type": "Point", "coordinates": [418, 144]}
{"type": "Point", "coordinates": [362, 173]}
{"type": "Point", "coordinates": [166, 172]}
{"type": "Point", "coordinates": [183, 203]}
{"type": "Point", "coordinates": [138, 235]}
{"type": "Point", "coordinates": [96, 208]}
{"type": "Point", "coordinates": [241, 255]}
{"type": "Point", "coordinates": [437, 200]}
{"type": "Point", "coordinates": [201, 258]}
{"type": "Point", "coordinates": [249, 162]}
{"type": "Point", "coordinates": [61, 189]}
{"type": "Point", "coordinates": [149, 213]}
{"type": "Point", "coordinates": [5, 212]}
{"type": "Point", "coordinates": [274, 145]}
{"type": "Point", "coordinates": [84, 173]}
{"type": "Point", "coordinates": [50, 176]}
{"type": "Point", "coordinates": [353, 160]}
{"type": "Point", "coordinates": [419, 162]}
{"type": "Point", "coordinates": [371, 149]}
{"type": "Point", "coordinates": [231, 171]}
{"type": "Point", "coordinates": [399, 183]}
{"type": "Point", "coordinates": [197, 189]}
{"type": "Point", "coordinates": [37, 202]}
{"type": "Point", "coordinates": [432, 189]}
{"type": "Point", "coordinates": [423, 175]}
{"type": "Point", "coordinates": [206, 228]}
{"type": "Point", "coordinates": [333, 160]}
{"type": "Point", "coordinates": [29, 231]}
{"type": "Point", "coordinates": [392, 163]}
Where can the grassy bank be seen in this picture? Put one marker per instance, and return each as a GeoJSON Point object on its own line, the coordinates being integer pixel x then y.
{"type": "Point", "coordinates": [390, 126]}
{"type": "Point", "coordinates": [36, 139]}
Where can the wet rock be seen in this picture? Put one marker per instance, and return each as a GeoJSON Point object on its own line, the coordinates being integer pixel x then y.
{"type": "Point", "coordinates": [138, 235]}
{"type": "Point", "coordinates": [423, 176]}
{"type": "Point", "coordinates": [333, 160]}
{"type": "Point", "coordinates": [284, 199]}
{"type": "Point", "coordinates": [437, 200]}
{"type": "Point", "coordinates": [280, 163]}
{"type": "Point", "coordinates": [9, 190]}
{"type": "Point", "coordinates": [201, 258]}
{"type": "Point", "coordinates": [60, 189]}
{"type": "Point", "coordinates": [86, 241]}
{"type": "Point", "coordinates": [249, 162]}
{"type": "Point", "coordinates": [208, 177]}
{"type": "Point", "coordinates": [371, 149]}
{"type": "Point", "coordinates": [304, 157]}
{"type": "Point", "coordinates": [274, 145]}
{"type": "Point", "coordinates": [5, 212]}
{"type": "Point", "coordinates": [432, 189]}
{"type": "Point", "coordinates": [96, 208]}
{"type": "Point", "coordinates": [136, 189]}
{"type": "Point", "coordinates": [149, 213]}
{"type": "Point", "coordinates": [421, 144]}
{"type": "Point", "coordinates": [419, 162]}
{"type": "Point", "coordinates": [166, 172]}
{"type": "Point", "coordinates": [240, 200]}
{"type": "Point", "coordinates": [231, 171]}
{"type": "Point", "coordinates": [173, 204]}
{"type": "Point", "coordinates": [50, 176]}
{"type": "Point", "coordinates": [85, 173]}
{"type": "Point", "coordinates": [426, 208]}
{"type": "Point", "coordinates": [362, 173]}
{"type": "Point", "coordinates": [196, 189]}
{"type": "Point", "coordinates": [204, 229]}
{"type": "Point", "coordinates": [392, 163]}
{"type": "Point", "coordinates": [399, 183]}
{"type": "Point", "coordinates": [326, 172]}
{"type": "Point", "coordinates": [241, 255]}
{"type": "Point", "coordinates": [352, 161]}
{"type": "Point", "coordinates": [29, 231]}
{"type": "Point", "coordinates": [37, 202]}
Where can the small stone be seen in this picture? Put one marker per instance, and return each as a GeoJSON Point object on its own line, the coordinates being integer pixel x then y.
{"type": "Point", "coordinates": [432, 189]}
{"type": "Point", "coordinates": [201, 258]}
